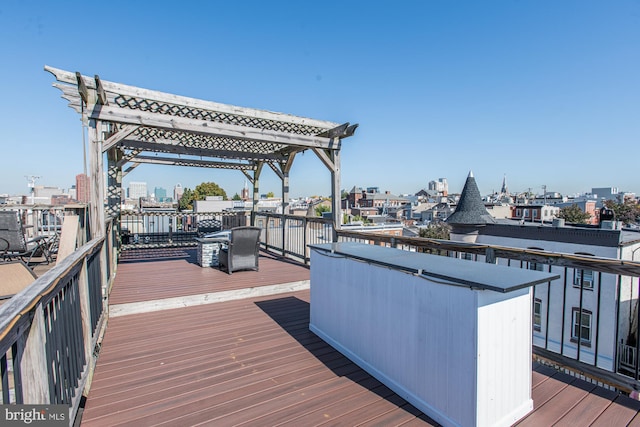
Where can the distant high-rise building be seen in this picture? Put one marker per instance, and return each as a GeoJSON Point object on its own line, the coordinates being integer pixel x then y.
{"type": "Point", "coordinates": [137, 190]}
{"type": "Point", "coordinates": [177, 192]}
{"type": "Point", "coordinates": [245, 192]}
{"type": "Point", "coordinates": [440, 186]}
{"type": "Point", "coordinates": [160, 194]}
{"type": "Point", "coordinates": [82, 188]}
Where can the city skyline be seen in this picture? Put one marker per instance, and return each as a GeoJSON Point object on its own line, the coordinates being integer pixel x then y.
{"type": "Point", "coordinates": [438, 183]}
{"type": "Point", "coordinates": [543, 92]}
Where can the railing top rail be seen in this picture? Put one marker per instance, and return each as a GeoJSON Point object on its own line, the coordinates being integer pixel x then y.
{"type": "Point", "coordinates": [39, 206]}
{"type": "Point", "coordinates": [176, 213]}
{"type": "Point", "coordinates": [22, 303]}
{"type": "Point", "coordinates": [299, 217]}
{"type": "Point", "coordinates": [604, 265]}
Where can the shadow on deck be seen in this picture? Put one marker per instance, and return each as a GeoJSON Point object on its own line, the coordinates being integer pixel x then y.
{"type": "Point", "coordinates": [253, 360]}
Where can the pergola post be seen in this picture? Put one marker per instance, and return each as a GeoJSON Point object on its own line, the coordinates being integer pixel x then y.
{"type": "Point", "coordinates": [96, 187]}
{"type": "Point", "coordinates": [336, 194]}
{"type": "Point", "coordinates": [256, 192]}
{"type": "Point", "coordinates": [114, 182]}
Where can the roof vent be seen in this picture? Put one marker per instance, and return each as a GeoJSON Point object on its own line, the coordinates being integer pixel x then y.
{"type": "Point", "coordinates": [610, 225]}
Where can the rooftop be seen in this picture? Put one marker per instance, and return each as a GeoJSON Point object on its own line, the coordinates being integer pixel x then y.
{"type": "Point", "coordinates": [253, 361]}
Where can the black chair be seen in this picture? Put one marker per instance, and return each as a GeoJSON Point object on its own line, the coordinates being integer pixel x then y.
{"type": "Point", "coordinates": [18, 246]}
{"type": "Point", "coordinates": [242, 251]}
{"type": "Point", "coordinates": [4, 246]}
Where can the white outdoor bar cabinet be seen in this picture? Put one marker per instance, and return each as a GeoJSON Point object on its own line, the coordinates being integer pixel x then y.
{"type": "Point", "coordinates": [451, 336]}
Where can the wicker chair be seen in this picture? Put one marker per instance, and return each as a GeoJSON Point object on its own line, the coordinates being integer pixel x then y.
{"type": "Point", "coordinates": [18, 246]}
{"type": "Point", "coordinates": [242, 251]}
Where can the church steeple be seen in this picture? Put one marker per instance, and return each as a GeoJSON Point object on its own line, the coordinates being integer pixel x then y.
{"type": "Point", "coordinates": [504, 189]}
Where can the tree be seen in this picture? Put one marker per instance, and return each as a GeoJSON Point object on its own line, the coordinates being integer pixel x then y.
{"type": "Point", "coordinates": [322, 208]}
{"type": "Point", "coordinates": [209, 189]}
{"type": "Point", "coordinates": [436, 230]}
{"type": "Point", "coordinates": [270, 195]}
{"type": "Point", "coordinates": [573, 214]}
{"type": "Point", "coordinates": [361, 219]}
{"type": "Point", "coordinates": [236, 197]}
{"type": "Point", "coordinates": [200, 193]}
{"type": "Point", "coordinates": [186, 201]}
{"type": "Point", "coordinates": [627, 212]}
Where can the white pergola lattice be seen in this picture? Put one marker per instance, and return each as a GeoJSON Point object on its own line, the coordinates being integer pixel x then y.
{"type": "Point", "coordinates": [130, 123]}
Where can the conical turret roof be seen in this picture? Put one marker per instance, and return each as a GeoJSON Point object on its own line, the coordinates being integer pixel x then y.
{"type": "Point", "coordinates": [470, 209]}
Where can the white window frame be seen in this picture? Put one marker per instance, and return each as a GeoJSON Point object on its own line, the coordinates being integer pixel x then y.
{"type": "Point", "coordinates": [537, 314]}
{"type": "Point", "coordinates": [586, 315]}
{"type": "Point", "coordinates": [588, 278]}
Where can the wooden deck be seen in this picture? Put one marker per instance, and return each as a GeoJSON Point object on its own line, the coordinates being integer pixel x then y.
{"type": "Point", "coordinates": [253, 361]}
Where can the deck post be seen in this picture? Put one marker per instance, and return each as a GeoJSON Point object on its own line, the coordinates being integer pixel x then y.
{"type": "Point", "coordinates": [85, 314]}
{"type": "Point", "coordinates": [33, 362]}
{"type": "Point", "coordinates": [256, 192]}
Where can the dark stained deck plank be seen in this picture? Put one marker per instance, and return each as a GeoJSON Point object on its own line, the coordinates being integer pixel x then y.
{"type": "Point", "coordinates": [561, 403]}
{"type": "Point", "coordinates": [589, 408]}
{"type": "Point", "coordinates": [148, 277]}
{"type": "Point", "coordinates": [619, 413]}
{"type": "Point", "coordinates": [548, 389]}
{"type": "Point", "coordinates": [244, 361]}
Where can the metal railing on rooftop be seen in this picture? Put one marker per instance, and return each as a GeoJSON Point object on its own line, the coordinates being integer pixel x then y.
{"type": "Point", "coordinates": [46, 220]}
{"type": "Point", "coordinates": [290, 236]}
{"type": "Point", "coordinates": [50, 330]}
{"type": "Point", "coordinates": [172, 229]}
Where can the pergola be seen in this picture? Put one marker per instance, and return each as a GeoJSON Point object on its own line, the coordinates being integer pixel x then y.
{"type": "Point", "coordinates": [133, 125]}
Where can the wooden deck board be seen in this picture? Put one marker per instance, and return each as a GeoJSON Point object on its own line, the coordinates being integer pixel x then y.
{"type": "Point", "coordinates": [253, 362]}
{"type": "Point", "coordinates": [589, 408]}
{"type": "Point", "coordinates": [149, 277]}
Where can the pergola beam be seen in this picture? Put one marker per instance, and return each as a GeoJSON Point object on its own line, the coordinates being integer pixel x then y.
{"type": "Point", "coordinates": [172, 161]}
{"type": "Point", "coordinates": [118, 136]}
{"type": "Point", "coordinates": [325, 158]}
{"type": "Point", "coordinates": [161, 147]}
{"type": "Point", "coordinates": [205, 127]}
{"type": "Point", "coordinates": [111, 88]}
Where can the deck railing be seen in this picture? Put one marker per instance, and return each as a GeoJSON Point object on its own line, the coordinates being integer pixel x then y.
{"type": "Point", "coordinates": [627, 357]}
{"type": "Point", "coordinates": [50, 330]}
{"type": "Point", "coordinates": [297, 231]}
{"type": "Point", "coordinates": [171, 229]}
{"type": "Point", "coordinates": [290, 235]}
{"type": "Point", "coordinates": [46, 220]}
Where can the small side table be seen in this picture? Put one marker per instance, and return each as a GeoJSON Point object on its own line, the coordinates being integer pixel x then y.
{"type": "Point", "coordinates": [208, 249]}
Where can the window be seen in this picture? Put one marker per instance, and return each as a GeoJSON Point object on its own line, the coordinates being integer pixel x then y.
{"type": "Point", "coordinates": [581, 326]}
{"type": "Point", "coordinates": [588, 278]}
{"type": "Point", "coordinates": [466, 255]}
{"type": "Point", "coordinates": [535, 213]}
{"type": "Point", "coordinates": [537, 314]}
{"type": "Point", "coordinates": [536, 266]}
{"type": "Point", "coordinates": [583, 276]}
{"type": "Point", "coordinates": [518, 212]}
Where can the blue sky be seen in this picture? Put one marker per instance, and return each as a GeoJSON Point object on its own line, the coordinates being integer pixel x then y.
{"type": "Point", "coordinates": [546, 92]}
